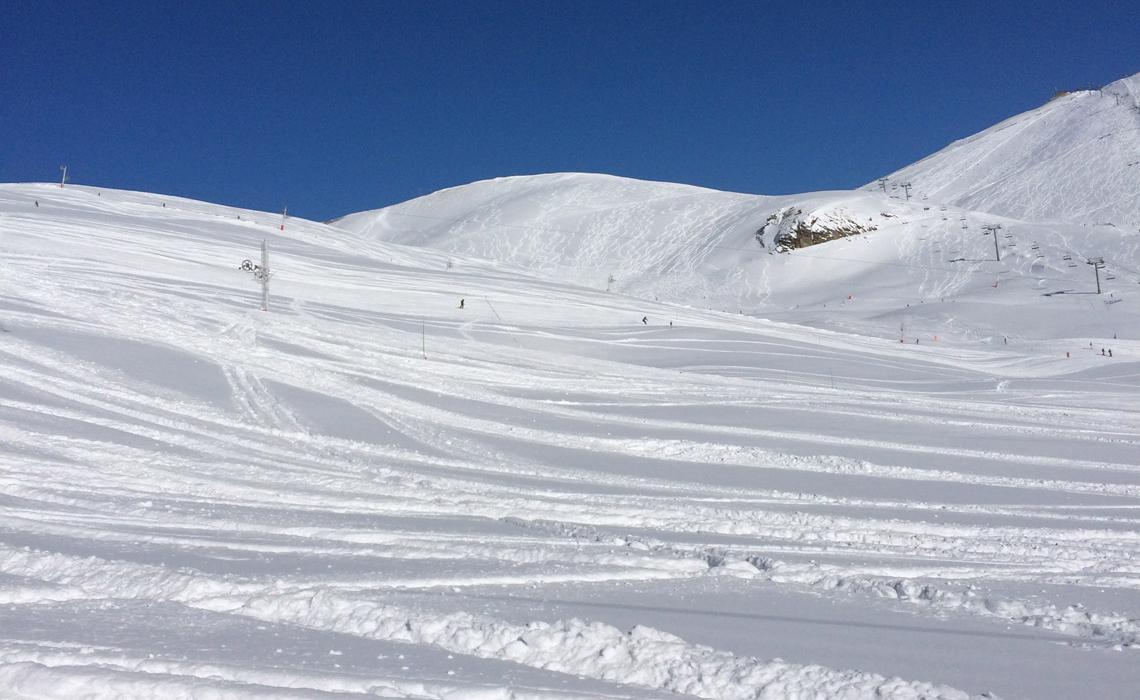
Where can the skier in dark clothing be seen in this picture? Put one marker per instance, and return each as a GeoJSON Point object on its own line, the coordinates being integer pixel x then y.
{"type": "Point", "coordinates": [645, 320]}
{"type": "Point", "coordinates": [461, 301]}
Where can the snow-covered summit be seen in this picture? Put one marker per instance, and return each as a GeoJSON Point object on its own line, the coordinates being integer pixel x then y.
{"type": "Point", "coordinates": [688, 244]}
{"type": "Point", "coordinates": [1075, 159]}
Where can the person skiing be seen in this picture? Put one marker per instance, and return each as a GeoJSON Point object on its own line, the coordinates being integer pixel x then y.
{"type": "Point", "coordinates": [645, 320]}
{"type": "Point", "coordinates": [461, 302]}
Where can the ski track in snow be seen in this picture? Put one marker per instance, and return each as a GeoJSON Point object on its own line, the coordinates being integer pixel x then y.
{"type": "Point", "coordinates": [163, 443]}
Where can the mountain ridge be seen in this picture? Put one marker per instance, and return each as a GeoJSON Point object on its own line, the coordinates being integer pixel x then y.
{"type": "Point", "coordinates": [744, 252]}
{"type": "Point", "coordinates": [1075, 159]}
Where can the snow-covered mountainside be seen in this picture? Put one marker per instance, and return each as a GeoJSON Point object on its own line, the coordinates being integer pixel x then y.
{"type": "Point", "coordinates": [1075, 159]}
{"type": "Point", "coordinates": [687, 244]}
{"type": "Point", "coordinates": [1062, 182]}
{"type": "Point", "coordinates": [888, 261]}
{"type": "Point", "coordinates": [554, 491]}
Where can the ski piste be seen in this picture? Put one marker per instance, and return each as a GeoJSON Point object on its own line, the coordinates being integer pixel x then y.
{"type": "Point", "coordinates": [449, 462]}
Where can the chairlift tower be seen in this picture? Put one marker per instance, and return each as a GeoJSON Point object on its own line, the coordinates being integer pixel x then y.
{"type": "Point", "coordinates": [906, 186]}
{"type": "Point", "coordinates": [993, 229]}
{"type": "Point", "coordinates": [1097, 266]}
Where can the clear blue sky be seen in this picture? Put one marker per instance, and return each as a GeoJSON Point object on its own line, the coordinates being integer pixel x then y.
{"type": "Point", "coordinates": [335, 107]}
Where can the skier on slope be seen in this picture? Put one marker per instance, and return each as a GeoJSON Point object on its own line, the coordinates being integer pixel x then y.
{"type": "Point", "coordinates": [645, 320]}
{"type": "Point", "coordinates": [461, 302]}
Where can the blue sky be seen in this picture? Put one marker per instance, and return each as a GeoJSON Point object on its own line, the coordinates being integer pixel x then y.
{"type": "Point", "coordinates": [336, 107]}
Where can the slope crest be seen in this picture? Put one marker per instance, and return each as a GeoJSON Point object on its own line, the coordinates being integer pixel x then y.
{"type": "Point", "coordinates": [1074, 159]}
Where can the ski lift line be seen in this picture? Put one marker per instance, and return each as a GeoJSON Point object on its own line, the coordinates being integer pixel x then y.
{"type": "Point", "coordinates": [713, 246]}
{"type": "Point", "coordinates": [934, 269]}
{"type": "Point", "coordinates": [1126, 268]}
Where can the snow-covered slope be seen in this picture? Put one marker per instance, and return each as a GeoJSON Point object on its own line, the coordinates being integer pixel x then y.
{"type": "Point", "coordinates": [687, 244]}
{"type": "Point", "coordinates": [722, 251]}
{"type": "Point", "coordinates": [369, 490]}
{"type": "Point", "coordinates": [1063, 181]}
{"type": "Point", "coordinates": [1075, 158]}
{"type": "Point", "coordinates": [519, 439]}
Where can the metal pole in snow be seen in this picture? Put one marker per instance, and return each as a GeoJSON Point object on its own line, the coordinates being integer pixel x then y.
{"type": "Point", "coordinates": [1097, 264]}
{"type": "Point", "coordinates": [993, 229]}
{"type": "Point", "coordinates": [264, 276]}
{"type": "Point", "coordinates": [63, 180]}
{"type": "Point", "coordinates": [284, 215]}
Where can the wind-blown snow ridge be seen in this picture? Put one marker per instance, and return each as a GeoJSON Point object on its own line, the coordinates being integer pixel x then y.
{"type": "Point", "coordinates": [641, 656]}
{"type": "Point", "coordinates": [1072, 620]}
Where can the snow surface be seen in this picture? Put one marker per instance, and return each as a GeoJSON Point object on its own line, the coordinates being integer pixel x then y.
{"type": "Point", "coordinates": [653, 452]}
{"type": "Point", "coordinates": [930, 268]}
{"type": "Point", "coordinates": [1075, 158]}
{"type": "Point", "coordinates": [370, 491]}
